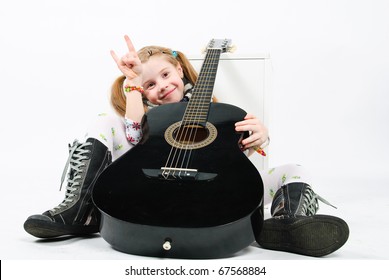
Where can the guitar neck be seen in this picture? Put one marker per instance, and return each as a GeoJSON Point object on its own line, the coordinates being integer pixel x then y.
{"type": "Point", "coordinates": [199, 104]}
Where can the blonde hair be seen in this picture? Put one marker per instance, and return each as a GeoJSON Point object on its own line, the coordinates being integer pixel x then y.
{"type": "Point", "coordinates": [118, 100]}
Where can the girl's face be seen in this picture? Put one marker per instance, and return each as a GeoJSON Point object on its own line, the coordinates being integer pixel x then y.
{"type": "Point", "coordinates": [162, 81]}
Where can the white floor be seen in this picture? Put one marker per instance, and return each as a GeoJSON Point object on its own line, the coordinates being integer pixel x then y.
{"type": "Point", "coordinates": [362, 202]}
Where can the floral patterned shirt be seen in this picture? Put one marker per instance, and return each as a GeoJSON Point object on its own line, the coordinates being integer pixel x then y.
{"type": "Point", "coordinates": [133, 131]}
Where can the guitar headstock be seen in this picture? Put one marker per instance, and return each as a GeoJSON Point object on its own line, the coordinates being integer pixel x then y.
{"type": "Point", "coordinates": [221, 44]}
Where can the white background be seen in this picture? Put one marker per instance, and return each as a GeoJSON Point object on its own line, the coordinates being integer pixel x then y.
{"type": "Point", "coordinates": [328, 108]}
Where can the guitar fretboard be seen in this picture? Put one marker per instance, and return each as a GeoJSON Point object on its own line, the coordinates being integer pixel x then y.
{"type": "Point", "coordinates": [198, 107]}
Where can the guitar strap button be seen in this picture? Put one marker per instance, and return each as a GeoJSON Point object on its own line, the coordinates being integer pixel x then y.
{"type": "Point", "coordinates": [167, 245]}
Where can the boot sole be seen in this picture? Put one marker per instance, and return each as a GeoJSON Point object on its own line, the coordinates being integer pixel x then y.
{"type": "Point", "coordinates": [45, 229]}
{"type": "Point", "coordinates": [315, 236]}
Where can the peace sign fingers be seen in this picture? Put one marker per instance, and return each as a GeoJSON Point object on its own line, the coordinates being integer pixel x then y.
{"type": "Point", "coordinates": [129, 64]}
{"type": "Point", "coordinates": [130, 46]}
{"type": "Point", "coordinates": [115, 57]}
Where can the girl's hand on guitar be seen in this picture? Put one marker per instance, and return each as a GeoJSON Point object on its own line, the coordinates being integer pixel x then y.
{"type": "Point", "coordinates": [258, 131]}
{"type": "Point", "coordinates": [129, 64]}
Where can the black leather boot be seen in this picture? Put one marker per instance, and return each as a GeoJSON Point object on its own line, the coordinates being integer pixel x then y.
{"type": "Point", "coordinates": [295, 227]}
{"type": "Point", "coordinates": [76, 214]}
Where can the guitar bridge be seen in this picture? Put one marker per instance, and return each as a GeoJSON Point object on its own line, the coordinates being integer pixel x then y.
{"type": "Point", "coordinates": [170, 173]}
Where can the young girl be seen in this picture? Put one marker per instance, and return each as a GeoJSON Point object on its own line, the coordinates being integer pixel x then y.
{"type": "Point", "coordinates": [155, 76]}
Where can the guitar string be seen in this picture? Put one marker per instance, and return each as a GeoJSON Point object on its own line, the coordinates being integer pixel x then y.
{"type": "Point", "coordinates": [176, 152]}
{"type": "Point", "coordinates": [191, 131]}
{"type": "Point", "coordinates": [204, 100]}
{"type": "Point", "coordinates": [184, 140]}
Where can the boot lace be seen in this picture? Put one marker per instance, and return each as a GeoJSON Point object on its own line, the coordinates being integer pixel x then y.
{"type": "Point", "coordinates": [311, 204]}
{"type": "Point", "coordinates": [74, 168]}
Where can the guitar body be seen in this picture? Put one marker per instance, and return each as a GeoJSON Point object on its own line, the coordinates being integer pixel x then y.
{"type": "Point", "coordinates": [211, 210]}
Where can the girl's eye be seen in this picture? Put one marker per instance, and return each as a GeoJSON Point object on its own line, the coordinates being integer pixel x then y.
{"type": "Point", "coordinates": [150, 85]}
{"type": "Point", "coordinates": [165, 74]}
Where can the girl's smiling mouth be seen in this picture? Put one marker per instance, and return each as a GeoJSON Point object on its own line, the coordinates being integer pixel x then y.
{"type": "Point", "coordinates": [168, 93]}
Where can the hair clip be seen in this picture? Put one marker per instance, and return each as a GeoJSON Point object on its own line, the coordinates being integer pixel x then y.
{"type": "Point", "coordinates": [174, 53]}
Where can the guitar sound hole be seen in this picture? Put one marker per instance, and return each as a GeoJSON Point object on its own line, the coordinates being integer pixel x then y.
{"type": "Point", "coordinates": [190, 134]}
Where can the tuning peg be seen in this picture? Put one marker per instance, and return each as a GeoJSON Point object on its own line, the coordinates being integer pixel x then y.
{"type": "Point", "coordinates": [231, 49]}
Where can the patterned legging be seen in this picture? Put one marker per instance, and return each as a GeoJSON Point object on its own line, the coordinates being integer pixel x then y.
{"type": "Point", "coordinates": [110, 129]}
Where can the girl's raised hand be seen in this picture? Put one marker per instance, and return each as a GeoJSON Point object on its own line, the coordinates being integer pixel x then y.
{"type": "Point", "coordinates": [129, 64]}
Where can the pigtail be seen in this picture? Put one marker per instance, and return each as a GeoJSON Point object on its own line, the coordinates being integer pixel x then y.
{"type": "Point", "coordinates": [189, 72]}
{"type": "Point", "coordinates": [118, 100]}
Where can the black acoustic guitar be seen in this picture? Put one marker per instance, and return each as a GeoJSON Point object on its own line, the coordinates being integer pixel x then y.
{"type": "Point", "coordinates": [187, 190]}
